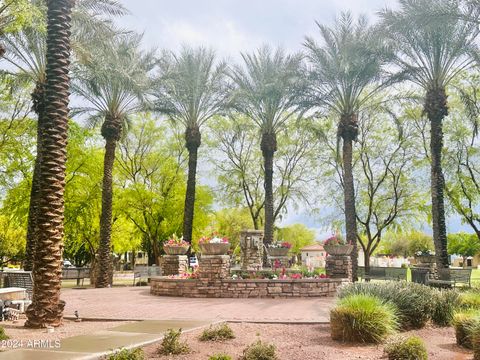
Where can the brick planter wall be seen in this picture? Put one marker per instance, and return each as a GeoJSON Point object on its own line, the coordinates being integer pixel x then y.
{"type": "Point", "coordinates": [174, 264]}
{"type": "Point", "coordinates": [212, 267]}
{"type": "Point", "coordinates": [254, 288]}
{"type": "Point", "coordinates": [339, 266]}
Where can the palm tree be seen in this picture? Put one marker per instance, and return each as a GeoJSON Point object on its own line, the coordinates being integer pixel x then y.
{"type": "Point", "coordinates": [432, 53]}
{"type": "Point", "coordinates": [346, 73]}
{"type": "Point", "coordinates": [190, 90]}
{"type": "Point", "coordinates": [26, 51]}
{"type": "Point", "coordinates": [46, 307]}
{"type": "Point", "coordinates": [269, 89]}
{"type": "Point", "coordinates": [113, 84]}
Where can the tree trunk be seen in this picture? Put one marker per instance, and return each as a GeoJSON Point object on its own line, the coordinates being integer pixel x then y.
{"type": "Point", "coordinates": [193, 140]}
{"type": "Point", "coordinates": [347, 131]}
{"type": "Point", "coordinates": [366, 258]}
{"type": "Point", "coordinates": [464, 261]}
{"type": "Point", "coordinates": [436, 109]}
{"type": "Point", "coordinates": [268, 146]}
{"type": "Point", "coordinates": [104, 265]}
{"type": "Point", "coordinates": [38, 99]}
{"type": "Point", "coordinates": [47, 308]}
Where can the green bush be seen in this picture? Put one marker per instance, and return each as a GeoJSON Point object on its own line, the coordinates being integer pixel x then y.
{"type": "Point", "coordinates": [3, 336]}
{"type": "Point", "coordinates": [363, 318]}
{"type": "Point", "coordinates": [413, 301]}
{"type": "Point", "coordinates": [474, 336]}
{"type": "Point", "coordinates": [411, 348]}
{"type": "Point", "coordinates": [259, 351]}
{"type": "Point", "coordinates": [470, 300]}
{"type": "Point", "coordinates": [464, 323]}
{"type": "Point", "coordinates": [171, 344]}
{"type": "Point", "coordinates": [220, 357]}
{"type": "Point", "coordinates": [125, 354]}
{"type": "Point", "coordinates": [216, 333]}
{"type": "Point", "coordinates": [445, 303]}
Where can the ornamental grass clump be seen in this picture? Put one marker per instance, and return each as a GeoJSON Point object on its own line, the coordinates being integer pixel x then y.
{"type": "Point", "coordinates": [3, 336]}
{"type": "Point", "coordinates": [220, 357]}
{"type": "Point", "coordinates": [474, 336]}
{"type": "Point", "coordinates": [217, 333]}
{"type": "Point", "coordinates": [363, 318]}
{"type": "Point", "coordinates": [464, 323]}
{"type": "Point", "coordinates": [410, 348]}
{"type": "Point", "coordinates": [470, 300]}
{"type": "Point", "coordinates": [259, 351]}
{"type": "Point", "coordinates": [445, 301]}
{"type": "Point", "coordinates": [413, 301]}
{"type": "Point", "coordinates": [171, 344]}
{"type": "Point", "coordinates": [126, 354]}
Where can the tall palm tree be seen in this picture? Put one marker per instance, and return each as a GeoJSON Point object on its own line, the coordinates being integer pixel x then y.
{"type": "Point", "coordinates": [190, 89]}
{"type": "Point", "coordinates": [113, 84]}
{"type": "Point", "coordinates": [269, 89]}
{"type": "Point", "coordinates": [46, 307]}
{"type": "Point", "coordinates": [346, 73]}
{"type": "Point", "coordinates": [432, 53]}
{"type": "Point", "coordinates": [26, 51]}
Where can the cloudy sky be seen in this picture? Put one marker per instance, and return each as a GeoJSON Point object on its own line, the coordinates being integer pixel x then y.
{"type": "Point", "coordinates": [234, 26]}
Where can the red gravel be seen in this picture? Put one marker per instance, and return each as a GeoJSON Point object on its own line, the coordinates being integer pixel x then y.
{"type": "Point", "coordinates": [310, 342]}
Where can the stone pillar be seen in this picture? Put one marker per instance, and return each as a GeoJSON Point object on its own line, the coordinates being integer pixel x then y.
{"type": "Point", "coordinates": [251, 246]}
{"type": "Point", "coordinates": [213, 267]}
{"type": "Point", "coordinates": [174, 264]}
{"type": "Point", "coordinates": [339, 267]}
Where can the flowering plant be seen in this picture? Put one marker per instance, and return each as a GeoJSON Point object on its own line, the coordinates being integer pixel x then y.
{"type": "Point", "coordinates": [425, 253]}
{"type": "Point", "coordinates": [214, 238]}
{"type": "Point", "coordinates": [176, 241]}
{"type": "Point", "coordinates": [280, 245]}
{"type": "Point", "coordinates": [335, 240]}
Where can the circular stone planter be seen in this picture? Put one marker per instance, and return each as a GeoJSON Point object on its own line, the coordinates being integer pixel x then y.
{"type": "Point", "coordinates": [175, 250]}
{"type": "Point", "coordinates": [338, 249]}
{"type": "Point", "coordinates": [277, 251]}
{"type": "Point", "coordinates": [425, 259]}
{"type": "Point", "coordinates": [214, 248]}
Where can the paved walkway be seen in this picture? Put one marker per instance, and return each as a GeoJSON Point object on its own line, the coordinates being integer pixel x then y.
{"type": "Point", "coordinates": [136, 303]}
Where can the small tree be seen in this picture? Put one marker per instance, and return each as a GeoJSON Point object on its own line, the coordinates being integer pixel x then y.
{"type": "Point", "coordinates": [463, 244]}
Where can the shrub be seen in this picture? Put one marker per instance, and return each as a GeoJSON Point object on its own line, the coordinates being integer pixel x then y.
{"type": "Point", "coordinates": [259, 351]}
{"type": "Point", "coordinates": [474, 336]}
{"type": "Point", "coordinates": [125, 354]}
{"type": "Point", "coordinates": [219, 332]}
{"type": "Point", "coordinates": [445, 303]}
{"type": "Point", "coordinates": [464, 323]}
{"type": "Point", "coordinates": [413, 301]}
{"type": "Point", "coordinates": [470, 300]}
{"type": "Point", "coordinates": [3, 336]}
{"type": "Point", "coordinates": [171, 344]}
{"type": "Point", "coordinates": [220, 357]}
{"type": "Point", "coordinates": [363, 318]}
{"type": "Point", "coordinates": [411, 348]}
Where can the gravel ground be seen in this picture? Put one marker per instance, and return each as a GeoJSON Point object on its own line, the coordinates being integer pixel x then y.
{"type": "Point", "coordinates": [20, 335]}
{"type": "Point", "coordinates": [310, 342]}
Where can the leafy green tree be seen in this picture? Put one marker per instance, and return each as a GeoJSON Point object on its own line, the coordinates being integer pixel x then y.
{"type": "Point", "coordinates": [298, 235]}
{"type": "Point", "coordinates": [269, 89]}
{"type": "Point", "coordinates": [347, 71]}
{"type": "Point", "coordinates": [238, 159]}
{"type": "Point", "coordinates": [405, 243]}
{"type": "Point", "coordinates": [152, 163]}
{"type": "Point", "coordinates": [463, 244]}
{"type": "Point", "coordinates": [113, 84]}
{"type": "Point", "coordinates": [431, 54]}
{"type": "Point", "coordinates": [26, 51]}
{"type": "Point", "coordinates": [191, 88]}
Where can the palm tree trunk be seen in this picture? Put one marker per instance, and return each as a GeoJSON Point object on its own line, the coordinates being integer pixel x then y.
{"type": "Point", "coordinates": [104, 258]}
{"type": "Point", "coordinates": [436, 109]}
{"type": "Point", "coordinates": [38, 100]}
{"type": "Point", "coordinates": [268, 146]}
{"type": "Point", "coordinates": [349, 201]}
{"type": "Point", "coordinates": [47, 308]}
{"type": "Point", "coordinates": [193, 139]}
